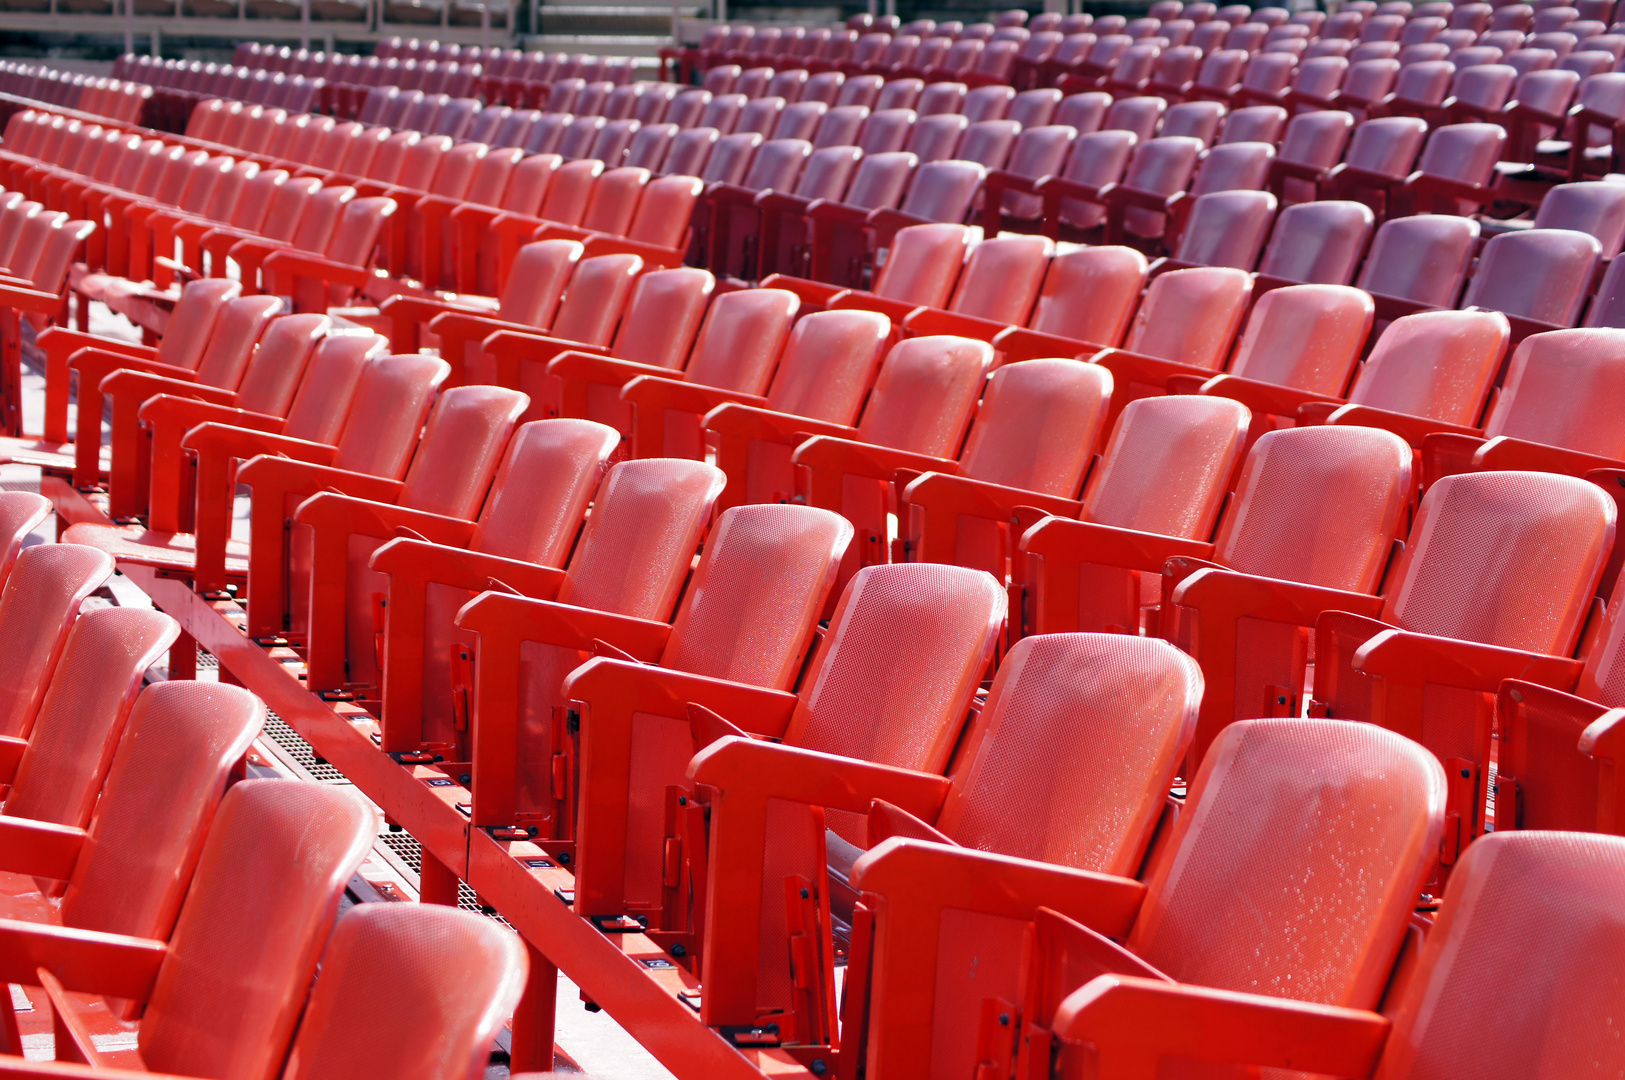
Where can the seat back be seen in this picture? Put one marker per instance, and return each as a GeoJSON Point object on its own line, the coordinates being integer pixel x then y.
{"type": "Point", "coordinates": [83, 711]}
{"type": "Point", "coordinates": [1438, 364]}
{"type": "Point", "coordinates": [278, 364]}
{"type": "Point", "coordinates": [924, 395]}
{"type": "Point", "coordinates": [331, 376]}
{"type": "Point", "coordinates": [828, 364]}
{"type": "Point", "coordinates": [1038, 425]}
{"type": "Point", "coordinates": [1540, 274]}
{"type": "Point", "coordinates": [800, 120]}
{"type": "Point", "coordinates": [935, 138]}
{"type": "Point", "coordinates": [777, 164]}
{"type": "Point", "coordinates": [239, 326]}
{"type": "Point", "coordinates": [840, 126]}
{"type": "Point", "coordinates": [1191, 316]}
{"type": "Point", "coordinates": [1361, 806]}
{"type": "Point", "coordinates": [1167, 465]}
{"type": "Point", "coordinates": [320, 218]}
{"type": "Point", "coordinates": [597, 295]}
{"type": "Point", "coordinates": [1089, 294]}
{"type": "Point", "coordinates": [263, 900]}
{"type": "Point", "coordinates": [38, 607]}
{"type": "Point", "coordinates": [1196, 119]}
{"type": "Point", "coordinates": [180, 744]}
{"type": "Point", "coordinates": [462, 442]}
{"type": "Point", "coordinates": [1318, 243]}
{"type": "Point", "coordinates": [663, 316]}
{"type": "Point", "coordinates": [1361, 484]}
{"type": "Point", "coordinates": [1422, 258]}
{"type": "Point", "coordinates": [20, 513]}
{"type": "Point", "coordinates": [886, 130]}
{"type": "Point", "coordinates": [923, 264]}
{"type": "Point", "coordinates": [536, 521]}
{"type": "Point", "coordinates": [650, 145]}
{"type": "Point", "coordinates": [1387, 146]}
{"type": "Point", "coordinates": [1512, 899]}
{"type": "Point", "coordinates": [1226, 228]}
{"type": "Point", "coordinates": [1035, 785]}
{"type": "Point", "coordinates": [1593, 207]}
{"type": "Point", "coordinates": [1558, 389]}
{"type": "Point", "coordinates": [764, 578]}
{"type": "Point", "coordinates": [458, 976]}
{"type": "Point", "coordinates": [1002, 277]}
{"type": "Point", "coordinates": [741, 339]}
{"type": "Point", "coordinates": [1234, 166]}
{"type": "Point", "coordinates": [193, 320]}
{"type": "Point", "coordinates": [536, 281]}
{"type": "Point", "coordinates": [569, 191]}
{"type": "Point", "coordinates": [386, 415]}
{"type": "Point", "coordinates": [1503, 558]}
{"type": "Point", "coordinates": [1305, 336]}
{"type": "Point", "coordinates": [649, 514]}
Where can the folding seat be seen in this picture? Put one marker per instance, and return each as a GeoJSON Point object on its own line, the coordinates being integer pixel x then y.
{"type": "Point", "coordinates": [785, 236]}
{"type": "Point", "coordinates": [860, 90]}
{"type": "Point", "coordinates": [899, 94]}
{"type": "Point", "coordinates": [1131, 74]}
{"type": "Point", "coordinates": [39, 607]}
{"type": "Point", "coordinates": [1435, 671]}
{"type": "Point", "coordinates": [1034, 108]}
{"type": "Point", "coordinates": [1087, 72]}
{"type": "Point", "coordinates": [1256, 123]}
{"type": "Point", "coordinates": [1140, 115]}
{"type": "Point", "coordinates": [1417, 263]}
{"type": "Point", "coordinates": [1367, 82]}
{"type": "Point", "coordinates": [1380, 155]}
{"type": "Point", "coordinates": [1598, 106]}
{"type": "Point", "coordinates": [1479, 93]}
{"type": "Point", "coordinates": [690, 150]}
{"type": "Point", "coordinates": [1224, 228]}
{"type": "Point", "coordinates": [731, 231]}
{"type": "Point", "coordinates": [1555, 269]}
{"type": "Point", "coordinates": [264, 897]}
{"type": "Point", "coordinates": [914, 885]}
{"type": "Point", "coordinates": [799, 121]}
{"type": "Point", "coordinates": [1246, 36]}
{"type": "Point", "coordinates": [1590, 207]}
{"type": "Point", "coordinates": [1455, 172]}
{"type": "Point", "coordinates": [1316, 82]}
{"type": "Point", "coordinates": [885, 131]}
{"type": "Point", "coordinates": [1318, 243]}
{"type": "Point", "coordinates": [1043, 45]}
{"type": "Point", "coordinates": [1470, 55]}
{"type": "Point", "coordinates": [1184, 325]}
{"type": "Point", "coordinates": [1504, 909]}
{"type": "Point", "coordinates": [941, 98]}
{"type": "Point", "coordinates": [936, 626]}
{"type": "Point", "coordinates": [824, 86]}
{"type": "Point", "coordinates": [994, 292]}
{"type": "Point", "coordinates": [656, 98]}
{"type": "Point", "coordinates": [1420, 90]}
{"type": "Point", "coordinates": [840, 126]}
{"type": "Point", "coordinates": [1039, 152]}
{"type": "Point", "coordinates": [1196, 119]}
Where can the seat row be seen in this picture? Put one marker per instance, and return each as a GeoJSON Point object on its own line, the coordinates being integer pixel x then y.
{"type": "Point", "coordinates": [115, 98]}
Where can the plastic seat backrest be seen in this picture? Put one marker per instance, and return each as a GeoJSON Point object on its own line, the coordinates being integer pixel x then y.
{"type": "Point", "coordinates": [1226, 228]}
{"type": "Point", "coordinates": [1090, 293]}
{"type": "Point", "coordinates": [1318, 243]}
{"type": "Point", "coordinates": [272, 375]}
{"type": "Point", "coordinates": [181, 741]}
{"type": "Point", "coordinates": [263, 900]}
{"type": "Point", "coordinates": [193, 320]}
{"type": "Point", "coordinates": [1557, 391]}
{"type": "Point", "coordinates": [596, 297]}
{"type": "Point", "coordinates": [880, 180]}
{"type": "Point", "coordinates": [649, 514]}
{"type": "Point", "coordinates": [386, 415]}
{"type": "Point", "coordinates": [886, 130]}
{"type": "Point", "coordinates": [1464, 152]}
{"type": "Point", "coordinates": [569, 191]}
{"type": "Point", "coordinates": [1422, 258]}
{"type": "Point", "coordinates": [933, 628]}
{"type": "Point", "coordinates": [941, 97]}
{"type": "Point", "coordinates": [461, 445]}
{"type": "Point", "coordinates": [988, 103]}
{"type": "Point", "coordinates": [1375, 798]}
{"type": "Point", "coordinates": [536, 281]}
{"type": "Point", "coordinates": [800, 120]}
{"type": "Point", "coordinates": [82, 713]}
{"type": "Point", "coordinates": [924, 395]}
{"type": "Point", "coordinates": [828, 364]}
{"type": "Point", "coordinates": [614, 200]}
{"type": "Point", "coordinates": [1438, 364]}
{"type": "Point", "coordinates": [663, 316]}
{"type": "Point", "coordinates": [1197, 119]}
{"type": "Point", "coordinates": [690, 150]}
{"type": "Point", "coordinates": [1532, 573]}
{"type": "Point", "coordinates": [760, 115]}
{"type": "Point", "coordinates": [731, 158]}
{"type": "Point", "coordinates": [769, 568]}
{"type": "Point", "coordinates": [1190, 316]}
{"type": "Point", "coordinates": [741, 339]}
{"type": "Point", "coordinates": [1307, 337]}
{"type": "Point", "coordinates": [943, 190]}
{"type": "Point", "coordinates": [1038, 424]}
{"type": "Point", "coordinates": [1541, 274]}
{"type": "Point", "coordinates": [1354, 481]}
{"type": "Point", "coordinates": [777, 164]}
{"type": "Point", "coordinates": [924, 264]}
{"type": "Point", "coordinates": [331, 378]}
{"type": "Point", "coordinates": [935, 138]}
{"type": "Point", "coordinates": [1002, 277]}
{"type": "Point", "coordinates": [537, 521]}
{"type": "Point", "coordinates": [1593, 207]}
{"type": "Point", "coordinates": [527, 188]}
{"type": "Point", "coordinates": [20, 513]}
{"type": "Point", "coordinates": [840, 126]}
{"type": "Point", "coordinates": [650, 145]}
